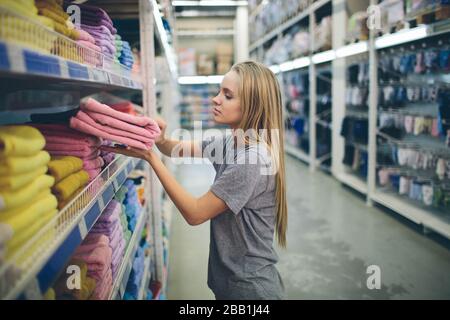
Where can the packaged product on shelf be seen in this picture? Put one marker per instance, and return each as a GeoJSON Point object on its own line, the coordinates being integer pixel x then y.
{"type": "Point", "coordinates": [205, 64]}
{"type": "Point", "coordinates": [357, 27]}
{"type": "Point", "coordinates": [187, 61]}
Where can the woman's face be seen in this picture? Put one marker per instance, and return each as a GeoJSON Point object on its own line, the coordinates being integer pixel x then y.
{"type": "Point", "coordinates": [226, 105]}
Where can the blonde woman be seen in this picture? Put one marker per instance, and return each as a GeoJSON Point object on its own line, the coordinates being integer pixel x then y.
{"type": "Point", "coordinates": [247, 202]}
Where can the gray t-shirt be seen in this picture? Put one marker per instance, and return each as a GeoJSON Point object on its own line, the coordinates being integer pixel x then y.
{"type": "Point", "coordinates": [241, 255]}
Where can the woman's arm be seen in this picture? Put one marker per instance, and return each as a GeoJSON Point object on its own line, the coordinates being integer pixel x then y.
{"type": "Point", "coordinates": [194, 210]}
{"type": "Point", "coordinates": [176, 148]}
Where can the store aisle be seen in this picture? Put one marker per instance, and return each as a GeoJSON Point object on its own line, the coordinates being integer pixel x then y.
{"type": "Point", "coordinates": [332, 238]}
{"type": "Point", "coordinates": [189, 246]}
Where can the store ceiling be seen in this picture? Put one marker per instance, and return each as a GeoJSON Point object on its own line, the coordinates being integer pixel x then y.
{"type": "Point", "coordinates": [187, 11]}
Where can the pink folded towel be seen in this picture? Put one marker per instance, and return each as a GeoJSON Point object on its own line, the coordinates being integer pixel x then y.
{"type": "Point", "coordinates": [116, 127]}
{"type": "Point", "coordinates": [85, 36]}
{"type": "Point", "coordinates": [103, 288]}
{"type": "Point", "coordinates": [88, 140]}
{"type": "Point", "coordinates": [93, 164]}
{"type": "Point", "coordinates": [89, 45]}
{"type": "Point", "coordinates": [97, 259]}
{"type": "Point", "coordinates": [93, 173]}
{"type": "Point", "coordinates": [70, 147]}
{"type": "Point", "coordinates": [63, 131]}
{"type": "Point", "coordinates": [85, 154]}
{"type": "Point", "coordinates": [83, 126]}
{"type": "Point", "coordinates": [95, 106]}
{"type": "Point", "coordinates": [92, 241]}
{"type": "Point", "coordinates": [133, 130]}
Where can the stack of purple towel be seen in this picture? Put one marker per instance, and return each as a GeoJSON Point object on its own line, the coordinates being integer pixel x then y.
{"type": "Point", "coordinates": [99, 25]}
{"type": "Point", "coordinates": [108, 157]}
{"type": "Point", "coordinates": [109, 225]}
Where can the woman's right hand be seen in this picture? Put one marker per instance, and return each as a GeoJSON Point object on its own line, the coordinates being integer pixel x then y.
{"type": "Point", "coordinates": [162, 126]}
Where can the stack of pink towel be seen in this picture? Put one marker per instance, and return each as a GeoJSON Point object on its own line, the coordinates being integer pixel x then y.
{"type": "Point", "coordinates": [88, 41]}
{"type": "Point", "coordinates": [109, 225]}
{"type": "Point", "coordinates": [63, 141]}
{"type": "Point", "coordinates": [102, 121]}
{"type": "Point", "coordinates": [95, 251]}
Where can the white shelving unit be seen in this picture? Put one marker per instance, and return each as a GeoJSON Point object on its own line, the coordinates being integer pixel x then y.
{"type": "Point", "coordinates": [338, 56]}
{"type": "Point", "coordinates": [28, 275]}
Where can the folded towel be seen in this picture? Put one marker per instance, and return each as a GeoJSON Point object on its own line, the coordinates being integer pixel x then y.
{"type": "Point", "coordinates": [13, 199]}
{"type": "Point", "coordinates": [64, 166]}
{"type": "Point", "coordinates": [83, 126]}
{"type": "Point", "coordinates": [89, 140]}
{"type": "Point", "coordinates": [93, 164]}
{"type": "Point", "coordinates": [66, 187]}
{"type": "Point", "coordinates": [115, 239]}
{"type": "Point", "coordinates": [92, 105]}
{"type": "Point", "coordinates": [111, 213]}
{"type": "Point", "coordinates": [21, 218]}
{"type": "Point", "coordinates": [98, 22]}
{"type": "Point", "coordinates": [21, 238]}
{"type": "Point", "coordinates": [89, 154]}
{"type": "Point", "coordinates": [61, 131]}
{"type": "Point", "coordinates": [25, 8]}
{"type": "Point", "coordinates": [82, 202]}
{"type": "Point", "coordinates": [74, 147]}
{"type": "Point", "coordinates": [93, 173]}
{"type": "Point", "coordinates": [121, 194]}
{"type": "Point", "coordinates": [106, 229]}
{"type": "Point", "coordinates": [20, 141]}
{"type": "Point", "coordinates": [89, 45]}
{"type": "Point", "coordinates": [116, 127]}
{"type": "Point", "coordinates": [103, 289]}
{"type": "Point", "coordinates": [92, 241]}
{"type": "Point", "coordinates": [20, 165]}
{"type": "Point", "coordinates": [125, 107]}
{"type": "Point", "coordinates": [13, 182]}
{"type": "Point", "coordinates": [85, 36]}
{"type": "Point", "coordinates": [99, 259]}
{"type": "Point", "coordinates": [118, 256]}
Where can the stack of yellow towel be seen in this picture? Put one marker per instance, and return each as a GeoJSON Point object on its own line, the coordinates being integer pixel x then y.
{"type": "Point", "coordinates": [28, 29]}
{"type": "Point", "coordinates": [53, 10]}
{"type": "Point", "coordinates": [26, 202]}
{"type": "Point", "coordinates": [69, 176]}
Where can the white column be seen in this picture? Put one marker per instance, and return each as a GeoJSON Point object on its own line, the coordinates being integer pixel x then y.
{"type": "Point", "coordinates": [312, 97]}
{"type": "Point", "coordinates": [373, 114]}
{"type": "Point", "coordinates": [146, 22]}
{"type": "Point", "coordinates": [241, 34]}
{"type": "Point", "coordinates": [338, 87]}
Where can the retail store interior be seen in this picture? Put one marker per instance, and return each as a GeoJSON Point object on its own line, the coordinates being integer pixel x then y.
{"type": "Point", "coordinates": [365, 88]}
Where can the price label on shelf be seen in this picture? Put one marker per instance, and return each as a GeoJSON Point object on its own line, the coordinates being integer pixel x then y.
{"type": "Point", "coordinates": [83, 228]}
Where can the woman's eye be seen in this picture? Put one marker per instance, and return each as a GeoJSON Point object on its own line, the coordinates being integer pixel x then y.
{"type": "Point", "coordinates": [228, 97]}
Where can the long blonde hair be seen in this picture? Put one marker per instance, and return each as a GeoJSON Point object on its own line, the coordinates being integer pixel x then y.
{"type": "Point", "coordinates": [260, 100]}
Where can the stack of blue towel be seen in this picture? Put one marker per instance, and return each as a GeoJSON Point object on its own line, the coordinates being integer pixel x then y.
{"type": "Point", "coordinates": [126, 57]}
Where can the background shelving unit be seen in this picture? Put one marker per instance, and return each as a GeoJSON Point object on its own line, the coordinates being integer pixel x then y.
{"type": "Point", "coordinates": [28, 275]}
{"type": "Point", "coordinates": [344, 53]}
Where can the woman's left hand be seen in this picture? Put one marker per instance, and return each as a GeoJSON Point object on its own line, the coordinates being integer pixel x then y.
{"type": "Point", "coordinates": [129, 151]}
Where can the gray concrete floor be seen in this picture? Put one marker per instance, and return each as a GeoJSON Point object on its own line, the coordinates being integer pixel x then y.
{"type": "Point", "coordinates": [332, 239]}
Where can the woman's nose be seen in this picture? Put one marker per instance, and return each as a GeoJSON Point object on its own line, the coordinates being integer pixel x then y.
{"type": "Point", "coordinates": [216, 100]}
